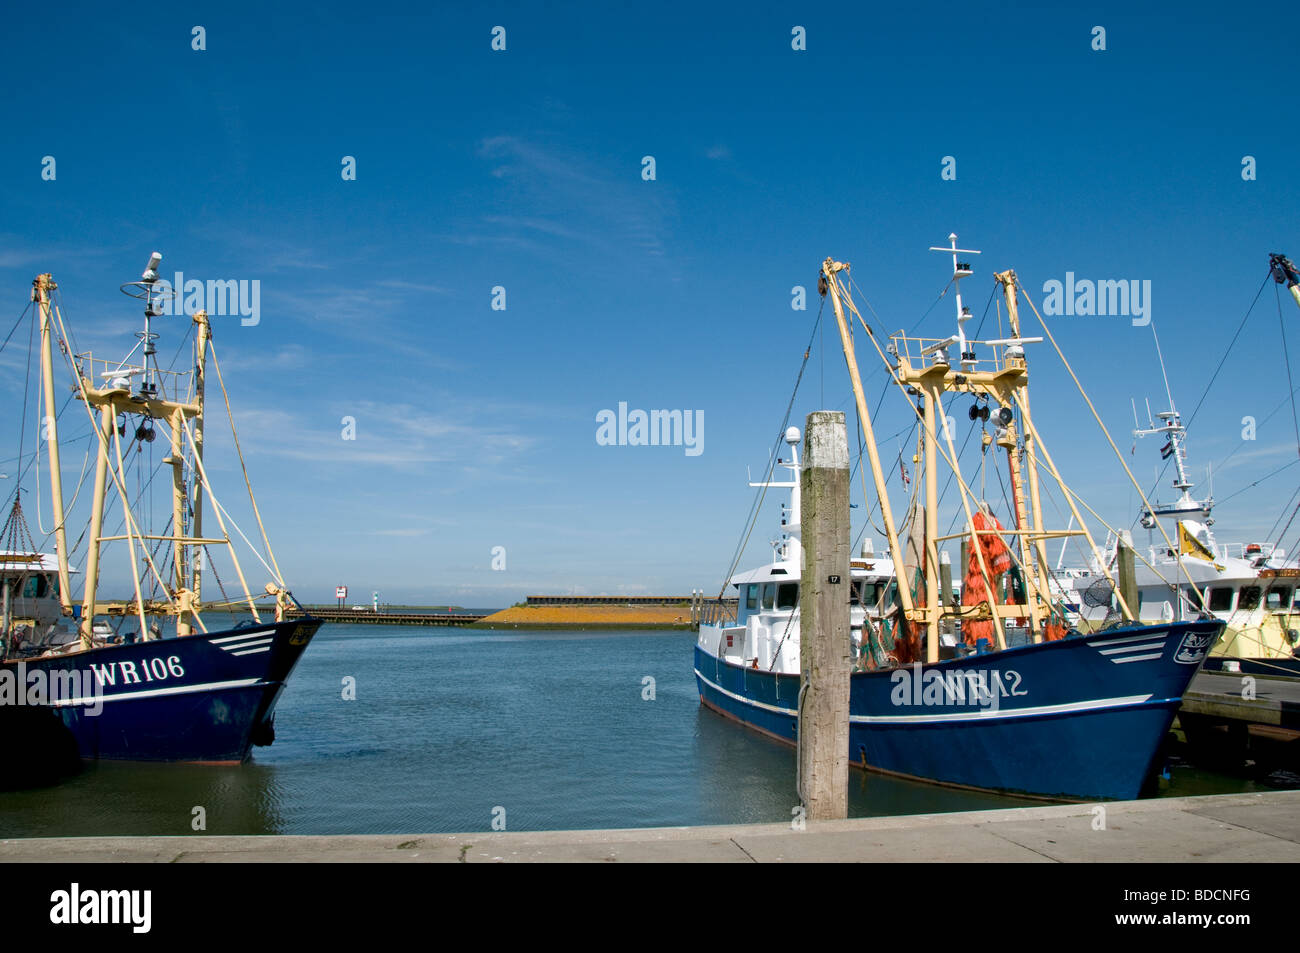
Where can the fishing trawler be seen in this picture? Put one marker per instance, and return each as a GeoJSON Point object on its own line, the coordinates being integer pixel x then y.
{"type": "Point", "coordinates": [148, 678]}
{"type": "Point", "coordinates": [1252, 587]}
{"type": "Point", "coordinates": [989, 690]}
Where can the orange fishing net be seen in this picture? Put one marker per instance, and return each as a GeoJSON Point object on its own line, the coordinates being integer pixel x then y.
{"type": "Point", "coordinates": [974, 592]}
{"type": "Point", "coordinates": [1055, 627]}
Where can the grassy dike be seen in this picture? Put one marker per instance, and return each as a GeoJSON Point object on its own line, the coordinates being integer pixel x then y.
{"type": "Point", "coordinates": [588, 617]}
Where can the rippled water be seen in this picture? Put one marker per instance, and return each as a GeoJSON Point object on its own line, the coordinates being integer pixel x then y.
{"type": "Point", "coordinates": [449, 725]}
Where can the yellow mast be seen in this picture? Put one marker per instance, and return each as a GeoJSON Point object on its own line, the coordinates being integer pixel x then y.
{"type": "Point", "coordinates": [831, 282]}
{"type": "Point", "coordinates": [1033, 552]}
{"type": "Point", "coordinates": [176, 460]}
{"type": "Point", "coordinates": [201, 338]}
{"type": "Point", "coordinates": [42, 287]}
{"type": "Point", "coordinates": [105, 431]}
{"type": "Point", "coordinates": [932, 404]}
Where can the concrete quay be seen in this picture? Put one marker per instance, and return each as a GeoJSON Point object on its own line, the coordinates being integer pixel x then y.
{"type": "Point", "coordinates": [1258, 828]}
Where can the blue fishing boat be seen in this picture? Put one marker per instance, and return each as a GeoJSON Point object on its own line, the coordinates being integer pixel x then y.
{"type": "Point", "coordinates": [977, 682]}
{"type": "Point", "coordinates": [148, 677]}
{"type": "Point", "coordinates": [1079, 718]}
{"type": "Point", "coordinates": [207, 698]}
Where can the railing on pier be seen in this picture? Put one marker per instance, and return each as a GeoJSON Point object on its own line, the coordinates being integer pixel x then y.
{"type": "Point", "coordinates": [715, 611]}
{"type": "Point", "coordinates": [370, 617]}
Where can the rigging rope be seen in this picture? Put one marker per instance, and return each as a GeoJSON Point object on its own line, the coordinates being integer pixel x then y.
{"type": "Point", "coordinates": [757, 505]}
{"type": "Point", "coordinates": [1210, 383]}
{"type": "Point", "coordinates": [1106, 433]}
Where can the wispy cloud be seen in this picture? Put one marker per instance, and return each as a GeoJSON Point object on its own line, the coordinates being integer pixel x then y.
{"type": "Point", "coordinates": [574, 200]}
{"type": "Point", "coordinates": [1272, 452]}
{"type": "Point", "coordinates": [268, 253]}
{"type": "Point", "coordinates": [386, 436]}
{"type": "Point", "coordinates": [414, 286]}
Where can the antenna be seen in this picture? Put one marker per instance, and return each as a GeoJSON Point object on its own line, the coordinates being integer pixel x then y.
{"type": "Point", "coordinates": [960, 270]}
{"type": "Point", "coordinates": [154, 298]}
{"type": "Point", "coordinates": [1163, 373]}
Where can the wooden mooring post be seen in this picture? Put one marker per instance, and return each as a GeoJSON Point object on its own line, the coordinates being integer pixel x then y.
{"type": "Point", "coordinates": [824, 641]}
{"type": "Point", "coordinates": [1127, 572]}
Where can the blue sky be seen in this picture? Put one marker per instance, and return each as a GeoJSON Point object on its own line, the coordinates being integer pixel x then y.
{"type": "Point", "coordinates": [522, 169]}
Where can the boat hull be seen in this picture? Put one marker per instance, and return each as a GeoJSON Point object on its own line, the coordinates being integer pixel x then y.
{"type": "Point", "coordinates": [1080, 718]}
{"type": "Point", "coordinates": [202, 698]}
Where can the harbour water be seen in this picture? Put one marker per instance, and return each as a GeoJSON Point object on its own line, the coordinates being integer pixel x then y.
{"type": "Point", "coordinates": [451, 730]}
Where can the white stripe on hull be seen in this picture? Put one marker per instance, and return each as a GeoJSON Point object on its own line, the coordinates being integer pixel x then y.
{"type": "Point", "coordinates": [1134, 648]}
{"type": "Point", "coordinates": [989, 715]}
{"type": "Point", "coordinates": [242, 636]}
{"type": "Point", "coordinates": [156, 692]}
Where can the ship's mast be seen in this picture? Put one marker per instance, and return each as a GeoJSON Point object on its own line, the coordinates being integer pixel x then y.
{"type": "Point", "coordinates": [201, 337]}
{"type": "Point", "coordinates": [829, 281]}
{"type": "Point", "coordinates": [187, 558]}
{"type": "Point", "coordinates": [41, 289]}
{"type": "Point", "coordinates": [112, 400]}
{"type": "Point", "coordinates": [791, 547]}
{"type": "Point", "coordinates": [1033, 549]}
{"type": "Point", "coordinates": [1171, 426]}
{"type": "Point", "coordinates": [930, 374]}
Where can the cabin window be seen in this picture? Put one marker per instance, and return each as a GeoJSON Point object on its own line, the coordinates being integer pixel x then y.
{"type": "Point", "coordinates": [1220, 599]}
{"type": "Point", "coordinates": [36, 587]}
{"type": "Point", "coordinates": [1279, 597]}
{"type": "Point", "coordinates": [787, 596]}
{"type": "Point", "coordinates": [769, 594]}
{"type": "Point", "coordinates": [751, 596]}
{"type": "Point", "coordinates": [1249, 598]}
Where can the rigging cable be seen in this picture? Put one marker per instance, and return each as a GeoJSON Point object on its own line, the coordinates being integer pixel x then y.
{"type": "Point", "coordinates": [1210, 383]}
{"type": "Point", "coordinates": [757, 505]}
